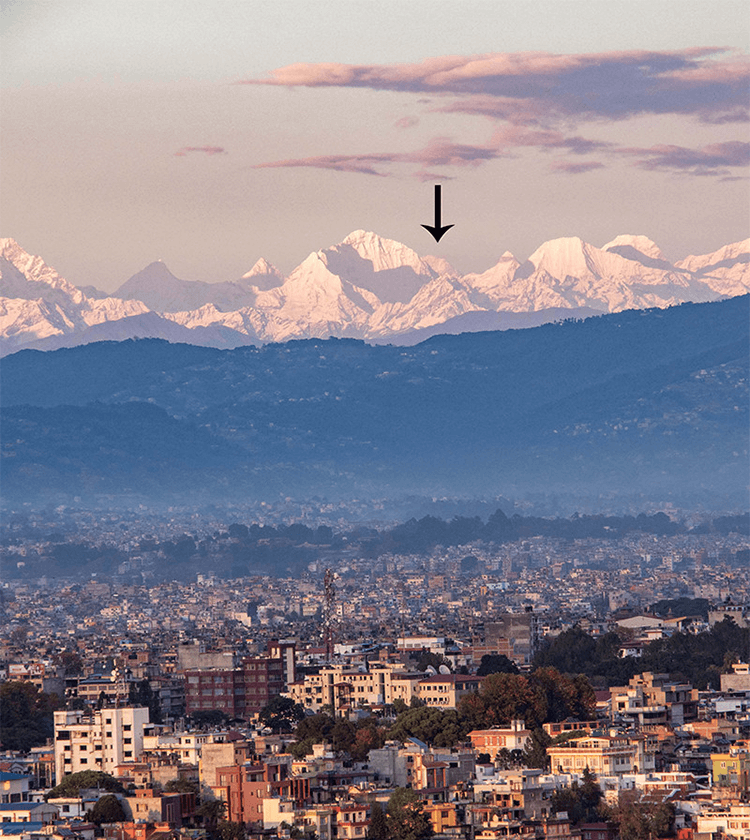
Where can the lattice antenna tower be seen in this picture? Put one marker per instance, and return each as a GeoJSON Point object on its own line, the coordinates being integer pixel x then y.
{"type": "Point", "coordinates": [121, 686]}
{"type": "Point", "coordinates": [329, 611]}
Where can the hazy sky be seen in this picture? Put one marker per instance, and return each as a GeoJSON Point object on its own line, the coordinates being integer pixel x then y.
{"type": "Point", "coordinates": [208, 134]}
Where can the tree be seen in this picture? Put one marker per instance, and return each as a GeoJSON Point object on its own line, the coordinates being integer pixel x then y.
{"type": "Point", "coordinates": [437, 727]}
{"type": "Point", "coordinates": [73, 784]}
{"type": "Point", "coordinates": [494, 663]}
{"type": "Point", "coordinates": [209, 717]}
{"type": "Point", "coordinates": [107, 809]}
{"type": "Point", "coordinates": [141, 694]}
{"type": "Point", "coordinates": [26, 719]}
{"type": "Point", "coordinates": [535, 752]}
{"type": "Point", "coordinates": [643, 821]}
{"type": "Point", "coordinates": [503, 698]}
{"type": "Point", "coordinates": [211, 812]}
{"type": "Point", "coordinates": [564, 697]}
{"type": "Point", "coordinates": [228, 830]}
{"type": "Point", "coordinates": [281, 714]}
{"type": "Point", "coordinates": [406, 818]}
{"type": "Point", "coordinates": [582, 802]}
{"type": "Point", "coordinates": [181, 785]}
{"type": "Point", "coordinates": [428, 659]}
{"type": "Point", "coordinates": [378, 829]}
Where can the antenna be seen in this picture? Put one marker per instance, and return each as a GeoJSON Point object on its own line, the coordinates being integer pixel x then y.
{"type": "Point", "coordinates": [329, 611]}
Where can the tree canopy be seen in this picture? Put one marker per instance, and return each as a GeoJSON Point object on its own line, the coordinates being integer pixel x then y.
{"type": "Point", "coordinates": [26, 719]}
{"type": "Point", "coordinates": [107, 809]}
{"type": "Point", "coordinates": [74, 783]}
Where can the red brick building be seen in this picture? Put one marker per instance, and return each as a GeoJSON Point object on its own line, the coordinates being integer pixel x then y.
{"type": "Point", "coordinates": [239, 692]}
{"type": "Point", "coordinates": [244, 787]}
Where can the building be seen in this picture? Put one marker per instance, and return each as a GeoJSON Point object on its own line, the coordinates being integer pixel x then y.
{"type": "Point", "coordinates": [238, 692]}
{"type": "Point", "coordinates": [98, 740]}
{"type": "Point", "coordinates": [732, 769]}
{"type": "Point", "coordinates": [654, 700]}
{"type": "Point", "coordinates": [738, 682]}
{"type": "Point", "coordinates": [602, 755]}
{"type": "Point", "coordinates": [445, 690]}
{"type": "Point", "coordinates": [491, 741]}
{"type": "Point", "coordinates": [514, 634]}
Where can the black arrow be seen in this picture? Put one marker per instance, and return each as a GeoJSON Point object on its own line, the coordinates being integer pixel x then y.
{"type": "Point", "coordinates": [437, 230]}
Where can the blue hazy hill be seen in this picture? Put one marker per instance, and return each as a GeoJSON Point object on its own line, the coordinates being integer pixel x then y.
{"type": "Point", "coordinates": [651, 402]}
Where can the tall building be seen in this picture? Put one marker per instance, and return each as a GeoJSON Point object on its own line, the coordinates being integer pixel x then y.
{"type": "Point", "coordinates": [238, 692]}
{"type": "Point", "coordinates": [98, 740]}
{"type": "Point", "coordinates": [516, 633]}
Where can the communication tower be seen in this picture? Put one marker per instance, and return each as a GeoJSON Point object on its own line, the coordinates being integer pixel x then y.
{"type": "Point", "coordinates": [329, 611]}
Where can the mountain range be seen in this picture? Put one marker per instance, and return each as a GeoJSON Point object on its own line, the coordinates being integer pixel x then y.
{"type": "Point", "coordinates": [649, 405]}
{"type": "Point", "coordinates": [364, 287]}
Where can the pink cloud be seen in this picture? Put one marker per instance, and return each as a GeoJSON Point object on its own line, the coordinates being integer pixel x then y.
{"type": "Point", "coordinates": [536, 86]}
{"type": "Point", "coordinates": [712, 159]}
{"type": "Point", "coordinates": [440, 151]}
{"type": "Point", "coordinates": [576, 168]}
{"type": "Point", "coordinates": [340, 163]}
{"type": "Point", "coordinates": [406, 122]}
{"type": "Point", "coordinates": [206, 150]}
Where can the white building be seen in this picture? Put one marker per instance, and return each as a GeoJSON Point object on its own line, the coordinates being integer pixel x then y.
{"type": "Point", "coordinates": [98, 741]}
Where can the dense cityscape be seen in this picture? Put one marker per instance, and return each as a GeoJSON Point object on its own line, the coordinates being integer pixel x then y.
{"type": "Point", "coordinates": [185, 674]}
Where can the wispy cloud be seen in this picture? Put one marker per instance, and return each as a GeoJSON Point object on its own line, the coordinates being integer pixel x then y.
{"type": "Point", "coordinates": [707, 82]}
{"type": "Point", "coordinates": [712, 159]}
{"type": "Point", "coordinates": [206, 150]}
{"type": "Point", "coordinates": [572, 168]}
{"type": "Point", "coordinates": [440, 151]}
{"type": "Point", "coordinates": [406, 122]}
{"type": "Point", "coordinates": [539, 97]}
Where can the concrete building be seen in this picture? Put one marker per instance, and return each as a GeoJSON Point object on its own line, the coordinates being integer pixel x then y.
{"type": "Point", "coordinates": [603, 755]}
{"type": "Point", "coordinates": [514, 634]}
{"type": "Point", "coordinates": [491, 741]}
{"type": "Point", "coordinates": [654, 700]}
{"type": "Point", "coordinates": [98, 740]}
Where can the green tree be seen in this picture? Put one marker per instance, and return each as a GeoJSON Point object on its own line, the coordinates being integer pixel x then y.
{"type": "Point", "coordinates": [496, 663]}
{"type": "Point", "coordinates": [503, 698]}
{"type": "Point", "coordinates": [141, 694]}
{"type": "Point", "coordinates": [211, 813]}
{"type": "Point", "coordinates": [564, 697]}
{"type": "Point", "coordinates": [406, 817]}
{"type": "Point", "coordinates": [582, 802]}
{"type": "Point", "coordinates": [26, 719]}
{"type": "Point", "coordinates": [535, 752]}
{"type": "Point", "coordinates": [181, 785]}
{"type": "Point", "coordinates": [228, 830]}
{"type": "Point", "coordinates": [74, 783]}
{"type": "Point", "coordinates": [643, 821]}
{"type": "Point", "coordinates": [378, 829]}
{"type": "Point", "coordinates": [281, 714]}
{"type": "Point", "coordinates": [437, 727]}
{"type": "Point", "coordinates": [107, 809]}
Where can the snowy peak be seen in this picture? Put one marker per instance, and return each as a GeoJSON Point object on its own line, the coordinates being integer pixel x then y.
{"type": "Point", "coordinates": [262, 276]}
{"type": "Point", "coordinates": [726, 271]}
{"type": "Point", "coordinates": [642, 244]}
{"type": "Point", "coordinates": [366, 287]}
{"type": "Point", "coordinates": [385, 254]}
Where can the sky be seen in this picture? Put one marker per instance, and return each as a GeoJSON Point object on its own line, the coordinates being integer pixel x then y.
{"type": "Point", "coordinates": [208, 134]}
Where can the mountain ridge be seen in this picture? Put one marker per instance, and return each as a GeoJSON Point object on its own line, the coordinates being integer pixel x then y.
{"type": "Point", "coordinates": [366, 287]}
{"type": "Point", "coordinates": [651, 402]}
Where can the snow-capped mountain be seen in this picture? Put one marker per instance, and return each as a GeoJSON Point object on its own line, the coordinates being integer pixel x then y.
{"type": "Point", "coordinates": [37, 303]}
{"type": "Point", "coordinates": [364, 287]}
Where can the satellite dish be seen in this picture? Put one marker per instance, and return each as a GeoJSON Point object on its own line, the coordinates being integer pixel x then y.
{"type": "Point", "coordinates": [444, 669]}
{"type": "Point", "coordinates": [430, 670]}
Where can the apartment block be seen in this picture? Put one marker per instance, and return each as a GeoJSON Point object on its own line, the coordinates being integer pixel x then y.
{"type": "Point", "coordinates": [99, 740]}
